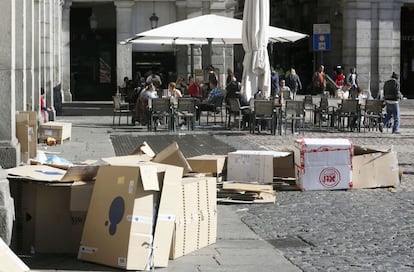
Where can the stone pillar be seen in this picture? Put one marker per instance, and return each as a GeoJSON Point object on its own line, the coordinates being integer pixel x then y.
{"type": "Point", "coordinates": [19, 54]}
{"type": "Point", "coordinates": [123, 31]}
{"type": "Point", "coordinates": [6, 209]}
{"type": "Point", "coordinates": [349, 34]}
{"type": "Point", "coordinates": [28, 54]}
{"type": "Point", "coordinates": [389, 39]}
{"type": "Point", "coordinates": [357, 34]}
{"type": "Point", "coordinates": [65, 51]}
{"type": "Point", "coordinates": [9, 146]}
{"type": "Point", "coordinates": [37, 80]}
{"type": "Point", "coordinates": [47, 52]}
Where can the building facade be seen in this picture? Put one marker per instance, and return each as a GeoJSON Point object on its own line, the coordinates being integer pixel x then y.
{"type": "Point", "coordinates": [374, 36]}
{"type": "Point", "coordinates": [72, 48]}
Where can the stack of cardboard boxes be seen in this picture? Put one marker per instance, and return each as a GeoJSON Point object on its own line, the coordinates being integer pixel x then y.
{"type": "Point", "coordinates": [144, 209]}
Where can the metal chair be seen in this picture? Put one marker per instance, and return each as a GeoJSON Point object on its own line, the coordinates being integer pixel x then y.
{"type": "Point", "coordinates": [309, 107]}
{"type": "Point", "coordinates": [159, 110]}
{"type": "Point", "coordinates": [294, 112]}
{"type": "Point", "coordinates": [263, 114]}
{"type": "Point", "coordinates": [373, 114]}
{"type": "Point", "coordinates": [186, 109]}
{"type": "Point", "coordinates": [120, 109]}
{"type": "Point", "coordinates": [326, 112]}
{"type": "Point", "coordinates": [285, 95]}
{"type": "Point", "coordinates": [349, 111]}
{"type": "Point", "coordinates": [214, 109]}
{"type": "Point", "coordinates": [236, 110]}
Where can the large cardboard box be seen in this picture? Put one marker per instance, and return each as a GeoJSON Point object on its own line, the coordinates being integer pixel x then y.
{"type": "Point", "coordinates": [131, 216]}
{"type": "Point", "coordinates": [323, 164]}
{"type": "Point", "coordinates": [373, 167]}
{"type": "Point", "coordinates": [26, 133]}
{"type": "Point", "coordinates": [196, 221]}
{"type": "Point", "coordinates": [172, 155]}
{"type": "Point", "coordinates": [259, 165]}
{"type": "Point", "coordinates": [284, 165]}
{"type": "Point", "coordinates": [58, 130]}
{"type": "Point", "coordinates": [51, 215]}
{"type": "Point", "coordinates": [213, 165]}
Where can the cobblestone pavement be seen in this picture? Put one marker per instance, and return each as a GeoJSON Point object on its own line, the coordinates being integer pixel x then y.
{"type": "Point", "coordinates": [347, 230]}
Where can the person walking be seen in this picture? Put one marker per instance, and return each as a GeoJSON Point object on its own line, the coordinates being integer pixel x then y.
{"type": "Point", "coordinates": [352, 79]}
{"type": "Point", "coordinates": [294, 83]}
{"type": "Point", "coordinates": [274, 79]}
{"type": "Point", "coordinates": [319, 81]}
{"type": "Point", "coordinates": [392, 95]}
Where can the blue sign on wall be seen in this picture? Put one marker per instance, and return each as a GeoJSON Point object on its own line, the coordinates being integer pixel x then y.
{"type": "Point", "coordinates": [321, 42]}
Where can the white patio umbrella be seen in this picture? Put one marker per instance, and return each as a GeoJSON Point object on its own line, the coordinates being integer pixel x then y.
{"type": "Point", "coordinates": [218, 29]}
{"type": "Point", "coordinates": [214, 29]}
{"type": "Point", "coordinates": [256, 72]}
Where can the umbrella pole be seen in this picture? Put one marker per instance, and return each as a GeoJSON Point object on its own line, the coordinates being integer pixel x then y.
{"type": "Point", "coordinates": [210, 50]}
{"type": "Point", "coordinates": [192, 60]}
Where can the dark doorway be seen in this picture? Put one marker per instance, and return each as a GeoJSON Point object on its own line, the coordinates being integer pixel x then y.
{"type": "Point", "coordinates": [407, 51]}
{"type": "Point", "coordinates": [93, 53]}
{"type": "Point", "coordinates": [163, 63]}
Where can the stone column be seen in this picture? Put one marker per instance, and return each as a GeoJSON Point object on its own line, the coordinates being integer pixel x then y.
{"type": "Point", "coordinates": [123, 31]}
{"type": "Point", "coordinates": [65, 51]}
{"type": "Point", "coordinates": [47, 52]}
{"type": "Point", "coordinates": [357, 34]}
{"type": "Point", "coordinates": [6, 209]}
{"type": "Point", "coordinates": [37, 80]}
{"type": "Point", "coordinates": [28, 54]}
{"type": "Point", "coordinates": [19, 54]}
{"type": "Point", "coordinates": [349, 34]}
{"type": "Point", "coordinates": [389, 39]}
{"type": "Point", "coordinates": [9, 146]}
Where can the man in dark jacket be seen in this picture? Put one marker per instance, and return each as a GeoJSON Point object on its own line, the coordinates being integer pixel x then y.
{"type": "Point", "coordinates": [392, 95]}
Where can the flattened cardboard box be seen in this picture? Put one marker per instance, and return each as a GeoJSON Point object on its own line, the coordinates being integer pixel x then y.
{"type": "Point", "coordinates": [196, 221]}
{"type": "Point", "coordinates": [374, 168]}
{"type": "Point", "coordinates": [323, 164]}
{"type": "Point", "coordinates": [46, 173]}
{"type": "Point", "coordinates": [127, 202]}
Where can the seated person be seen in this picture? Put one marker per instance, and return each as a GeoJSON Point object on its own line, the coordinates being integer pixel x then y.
{"type": "Point", "coordinates": [233, 90]}
{"type": "Point", "coordinates": [209, 104]}
{"type": "Point", "coordinates": [141, 105]}
{"type": "Point", "coordinates": [285, 88]}
{"type": "Point", "coordinates": [195, 89]}
{"type": "Point", "coordinates": [344, 92]}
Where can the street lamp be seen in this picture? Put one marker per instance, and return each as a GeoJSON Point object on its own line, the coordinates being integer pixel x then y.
{"type": "Point", "coordinates": [154, 18]}
{"type": "Point", "coordinates": [93, 22]}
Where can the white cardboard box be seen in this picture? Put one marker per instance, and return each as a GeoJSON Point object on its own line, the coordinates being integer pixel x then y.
{"type": "Point", "coordinates": [323, 164]}
{"type": "Point", "coordinates": [253, 165]}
